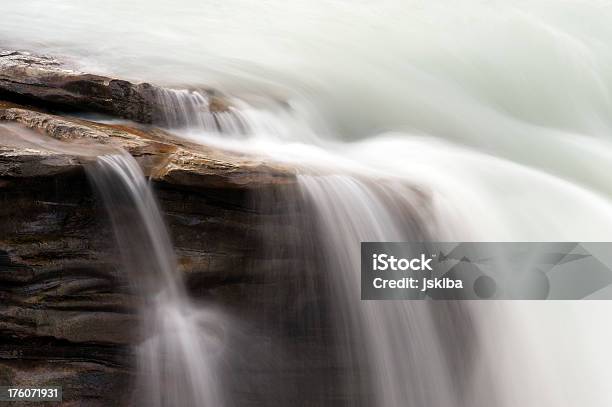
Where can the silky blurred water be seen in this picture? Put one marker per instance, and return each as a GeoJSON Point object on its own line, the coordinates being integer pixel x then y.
{"type": "Point", "coordinates": [500, 112]}
{"type": "Point", "coordinates": [178, 358]}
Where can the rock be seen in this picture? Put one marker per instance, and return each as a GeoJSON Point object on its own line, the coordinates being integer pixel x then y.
{"type": "Point", "coordinates": [218, 104]}
{"type": "Point", "coordinates": [67, 315]}
{"type": "Point", "coordinates": [242, 239]}
{"type": "Point", "coordinates": [164, 157]}
{"type": "Point", "coordinates": [46, 80]}
{"type": "Point", "coordinates": [24, 162]}
{"type": "Point", "coordinates": [219, 170]}
{"type": "Point", "coordinates": [84, 383]}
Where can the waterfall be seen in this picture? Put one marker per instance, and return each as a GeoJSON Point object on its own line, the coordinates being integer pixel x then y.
{"type": "Point", "coordinates": [479, 121]}
{"type": "Point", "coordinates": [182, 342]}
{"type": "Point", "coordinates": [200, 115]}
{"type": "Point", "coordinates": [415, 353]}
{"type": "Point", "coordinates": [191, 109]}
{"type": "Point", "coordinates": [398, 342]}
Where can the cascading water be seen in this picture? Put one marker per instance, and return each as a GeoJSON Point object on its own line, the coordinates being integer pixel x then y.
{"type": "Point", "coordinates": [182, 342]}
{"type": "Point", "coordinates": [194, 113]}
{"type": "Point", "coordinates": [360, 212]}
{"type": "Point", "coordinates": [486, 121]}
{"type": "Point", "coordinates": [192, 110]}
{"type": "Point", "coordinates": [413, 353]}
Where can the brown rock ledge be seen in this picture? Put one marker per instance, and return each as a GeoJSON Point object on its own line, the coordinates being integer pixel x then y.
{"type": "Point", "coordinates": [163, 156]}
{"type": "Point", "coordinates": [66, 314]}
{"type": "Point", "coordinates": [48, 82]}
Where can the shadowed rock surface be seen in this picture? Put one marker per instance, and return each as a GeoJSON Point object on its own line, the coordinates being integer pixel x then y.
{"type": "Point", "coordinates": [67, 316]}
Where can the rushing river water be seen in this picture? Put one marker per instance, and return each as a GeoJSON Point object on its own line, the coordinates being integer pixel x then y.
{"type": "Point", "coordinates": [499, 113]}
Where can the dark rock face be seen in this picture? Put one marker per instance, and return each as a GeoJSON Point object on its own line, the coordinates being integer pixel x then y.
{"type": "Point", "coordinates": [46, 80]}
{"type": "Point", "coordinates": [68, 316]}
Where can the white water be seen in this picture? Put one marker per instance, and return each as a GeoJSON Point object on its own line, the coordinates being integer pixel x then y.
{"type": "Point", "coordinates": [184, 109]}
{"type": "Point", "coordinates": [182, 347]}
{"type": "Point", "coordinates": [516, 361]}
{"type": "Point", "coordinates": [500, 112]}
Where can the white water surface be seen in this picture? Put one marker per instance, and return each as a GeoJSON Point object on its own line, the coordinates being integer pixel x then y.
{"type": "Point", "coordinates": [499, 111]}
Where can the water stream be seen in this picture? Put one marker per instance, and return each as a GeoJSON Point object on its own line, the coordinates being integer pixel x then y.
{"type": "Point", "coordinates": [479, 121]}
{"type": "Point", "coordinates": [182, 342]}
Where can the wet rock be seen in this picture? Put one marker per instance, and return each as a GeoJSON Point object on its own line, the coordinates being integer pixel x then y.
{"type": "Point", "coordinates": [67, 315]}
{"type": "Point", "coordinates": [46, 80]}
{"type": "Point", "coordinates": [83, 383]}
{"type": "Point", "coordinates": [24, 162]}
{"type": "Point", "coordinates": [163, 156]}
{"type": "Point", "coordinates": [219, 170]}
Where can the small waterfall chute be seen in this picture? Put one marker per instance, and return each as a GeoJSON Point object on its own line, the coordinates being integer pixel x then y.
{"type": "Point", "coordinates": [183, 342]}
